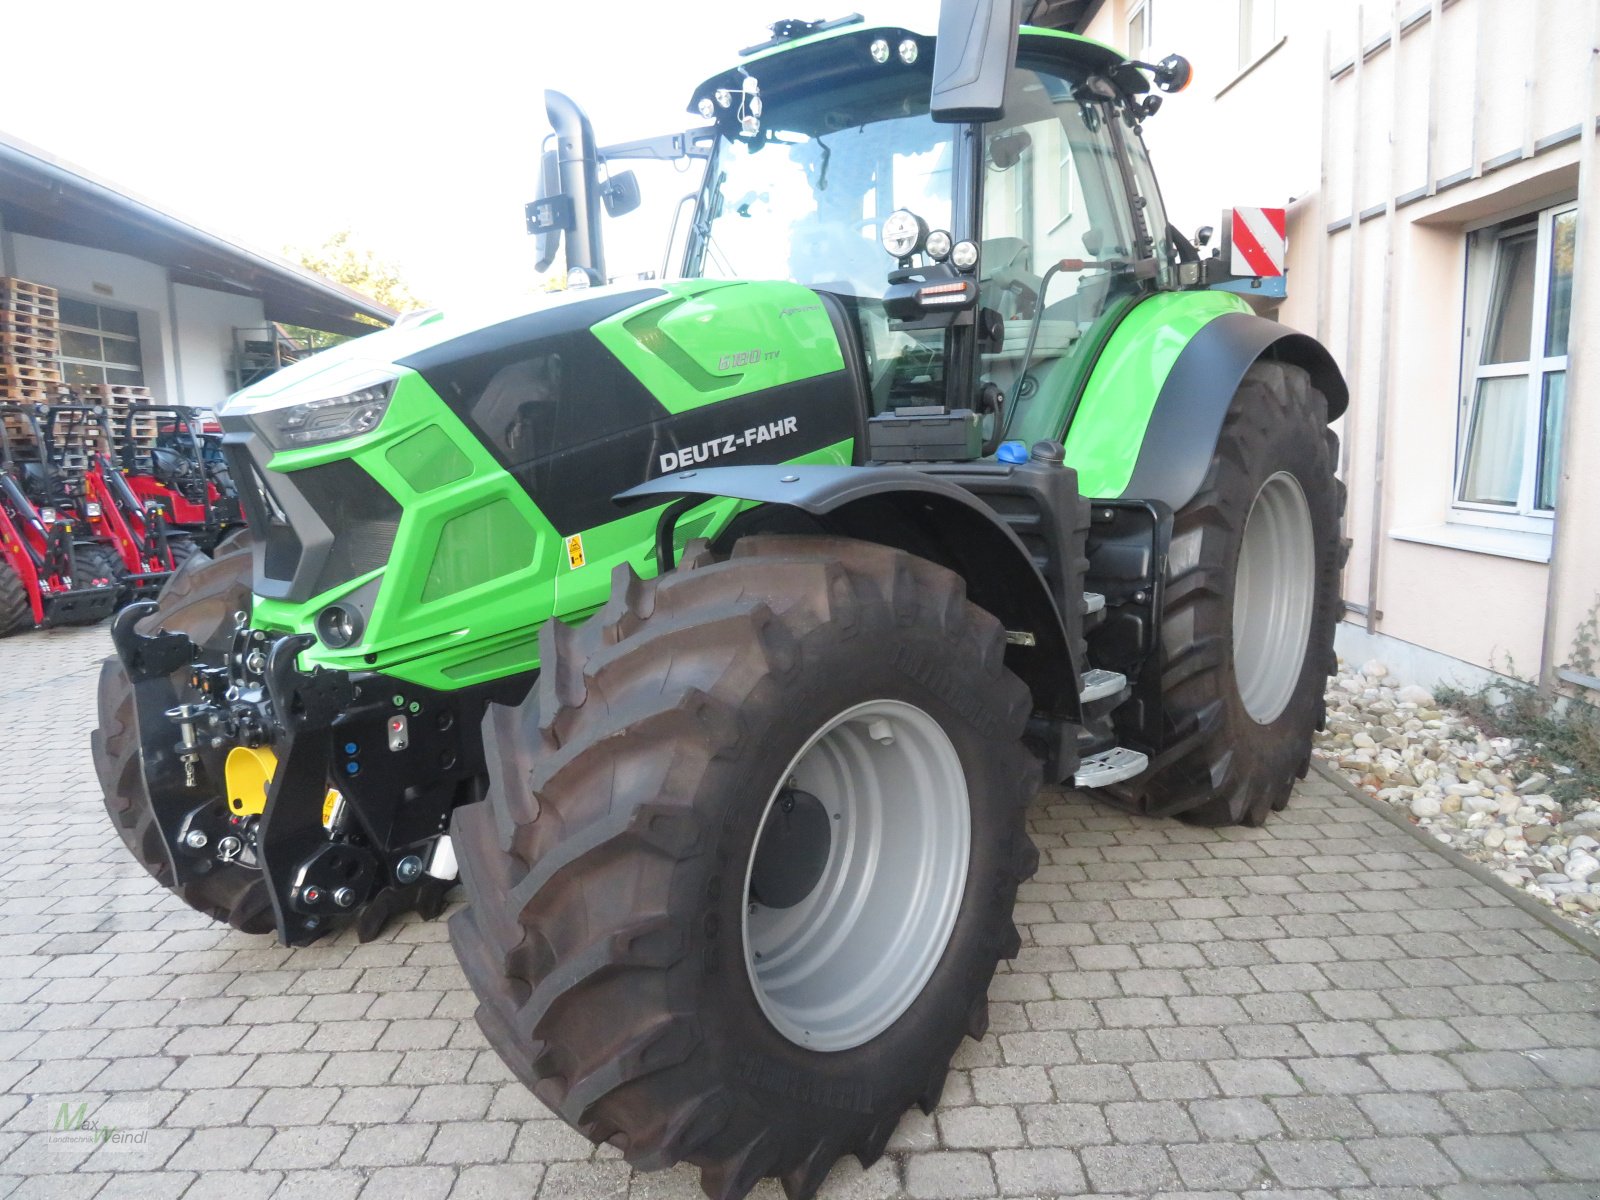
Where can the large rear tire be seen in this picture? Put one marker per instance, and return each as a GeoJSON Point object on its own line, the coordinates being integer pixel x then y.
{"type": "Point", "coordinates": [1251, 604]}
{"type": "Point", "coordinates": [748, 858]}
{"type": "Point", "coordinates": [200, 600]}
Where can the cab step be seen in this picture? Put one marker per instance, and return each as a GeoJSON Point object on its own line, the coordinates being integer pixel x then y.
{"type": "Point", "coordinates": [1098, 684]}
{"type": "Point", "coordinates": [1109, 766]}
{"type": "Point", "coordinates": [1093, 602]}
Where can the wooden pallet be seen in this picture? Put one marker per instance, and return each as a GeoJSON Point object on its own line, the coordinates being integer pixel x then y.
{"type": "Point", "coordinates": [124, 393]}
{"type": "Point", "coordinates": [42, 293]}
{"type": "Point", "coordinates": [29, 344]}
{"type": "Point", "coordinates": [27, 375]}
{"type": "Point", "coordinates": [12, 321]}
{"type": "Point", "coordinates": [27, 306]}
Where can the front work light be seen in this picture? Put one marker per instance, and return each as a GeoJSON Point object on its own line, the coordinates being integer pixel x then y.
{"type": "Point", "coordinates": [316, 421]}
{"type": "Point", "coordinates": [903, 232]}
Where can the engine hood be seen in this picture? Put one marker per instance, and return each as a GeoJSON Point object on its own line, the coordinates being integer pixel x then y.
{"type": "Point", "coordinates": [323, 373]}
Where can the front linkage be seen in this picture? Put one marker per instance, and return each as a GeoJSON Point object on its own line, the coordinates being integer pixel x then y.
{"type": "Point", "coordinates": [336, 786]}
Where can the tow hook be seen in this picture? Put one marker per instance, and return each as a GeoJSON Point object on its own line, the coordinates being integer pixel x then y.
{"type": "Point", "coordinates": [185, 715]}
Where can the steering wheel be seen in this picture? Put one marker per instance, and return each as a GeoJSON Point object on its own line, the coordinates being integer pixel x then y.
{"type": "Point", "coordinates": [1005, 268]}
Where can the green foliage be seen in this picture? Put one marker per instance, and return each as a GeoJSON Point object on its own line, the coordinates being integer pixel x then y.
{"type": "Point", "coordinates": [1560, 730]}
{"type": "Point", "coordinates": [358, 267]}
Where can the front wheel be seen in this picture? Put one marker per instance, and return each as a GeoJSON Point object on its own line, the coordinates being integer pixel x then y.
{"type": "Point", "coordinates": [748, 858]}
{"type": "Point", "coordinates": [201, 601]}
{"type": "Point", "coordinates": [1251, 603]}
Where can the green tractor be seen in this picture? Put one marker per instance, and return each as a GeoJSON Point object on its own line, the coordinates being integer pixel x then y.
{"type": "Point", "coordinates": [720, 630]}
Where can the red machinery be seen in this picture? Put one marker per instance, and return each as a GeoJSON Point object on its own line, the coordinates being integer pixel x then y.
{"type": "Point", "coordinates": [185, 478]}
{"type": "Point", "coordinates": [54, 570]}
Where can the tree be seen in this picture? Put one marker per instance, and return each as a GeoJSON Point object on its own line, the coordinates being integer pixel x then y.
{"type": "Point", "coordinates": [358, 267]}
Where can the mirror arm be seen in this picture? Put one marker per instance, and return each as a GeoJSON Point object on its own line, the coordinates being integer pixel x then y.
{"type": "Point", "coordinates": [692, 143]}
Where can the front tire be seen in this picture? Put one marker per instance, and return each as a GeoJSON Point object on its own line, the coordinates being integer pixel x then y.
{"type": "Point", "coordinates": [199, 600]}
{"type": "Point", "coordinates": [1251, 604]}
{"type": "Point", "coordinates": [649, 960]}
{"type": "Point", "coordinates": [16, 613]}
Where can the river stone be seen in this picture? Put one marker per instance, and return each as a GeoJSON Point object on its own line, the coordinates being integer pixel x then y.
{"type": "Point", "coordinates": [1580, 866]}
{"type": "Point", "coordinates": [1424, 806]}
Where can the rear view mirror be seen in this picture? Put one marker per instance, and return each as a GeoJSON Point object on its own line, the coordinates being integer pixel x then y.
{"type": "Point", "coordinates": [1173, 73]}
{"type": "Point", "coordinates": [972, 61]}
{"type": "Point", "coordinates": [550, 214]}
{"type": "Point", "coordinates": [620, 193]}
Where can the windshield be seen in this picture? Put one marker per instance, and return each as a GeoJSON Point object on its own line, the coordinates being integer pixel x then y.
{"type": "Point", "coordinates": [804, 200]}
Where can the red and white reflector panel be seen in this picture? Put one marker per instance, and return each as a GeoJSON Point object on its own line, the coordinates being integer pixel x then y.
{"type": "Point", "coordinates": [1260, 241]}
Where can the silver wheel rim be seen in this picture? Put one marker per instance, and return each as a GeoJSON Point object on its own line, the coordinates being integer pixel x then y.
{"type": "Point", "coordinates": [1273, 592]}
{"type": "Point", "coordinates": [843, 964]}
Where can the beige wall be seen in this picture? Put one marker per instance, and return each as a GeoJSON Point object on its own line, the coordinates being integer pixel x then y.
{"type": "Point", "coordinates": [1390, 130]}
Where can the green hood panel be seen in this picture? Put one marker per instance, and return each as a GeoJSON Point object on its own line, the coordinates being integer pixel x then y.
{"type": "Point", "coordinates": [1109, 427]}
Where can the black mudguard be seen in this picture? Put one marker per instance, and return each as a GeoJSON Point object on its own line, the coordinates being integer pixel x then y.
{"type": "Point", "coordinates": [920, 513]}
{"type": "Point", "coordinates": [1183, 430]}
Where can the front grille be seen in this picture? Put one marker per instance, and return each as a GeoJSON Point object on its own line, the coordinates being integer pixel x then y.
{"type": "Point", "coordinates": [316, 528]}
{"type": "Point", "coordinates": [358, 512]}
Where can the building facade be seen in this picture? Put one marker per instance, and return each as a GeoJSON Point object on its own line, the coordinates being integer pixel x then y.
{"type": "Point", "coordinates": [1439, 164]}
{"type": "Point", "coordinates": [147, 298]}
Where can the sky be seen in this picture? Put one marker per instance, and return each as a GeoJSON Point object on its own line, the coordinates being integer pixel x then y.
{"type": "Point", "coordinates": [417, 126]}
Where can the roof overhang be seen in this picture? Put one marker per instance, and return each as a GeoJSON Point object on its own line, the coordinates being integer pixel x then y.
{"type": "Point", "coordinates": [43, 197]}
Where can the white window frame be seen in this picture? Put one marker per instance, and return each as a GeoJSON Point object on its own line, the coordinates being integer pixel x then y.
{"type": "Point", "coordinates": [1136, 10]}
{"type": "Point", "coordinates": [1524, 515]}
{"type": "Point", "coordinates": [1249, 49]}
{"type": "Point", "coordinates": [103, 334]}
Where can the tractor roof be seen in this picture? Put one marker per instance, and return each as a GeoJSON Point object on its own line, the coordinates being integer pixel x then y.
{"type": "Point", "coordinates": [832, 51]}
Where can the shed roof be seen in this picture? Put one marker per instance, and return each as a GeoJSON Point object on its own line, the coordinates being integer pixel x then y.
{"type": "Point", "coordinates": [43, 196]}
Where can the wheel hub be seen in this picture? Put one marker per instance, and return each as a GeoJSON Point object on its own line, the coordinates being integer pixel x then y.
{"type": "Point", "coordinates": [1273, 593]}
{"type": "Point", "coordinates": [856, 875]}
{"type": "Point", "coordinates": [792, 852]}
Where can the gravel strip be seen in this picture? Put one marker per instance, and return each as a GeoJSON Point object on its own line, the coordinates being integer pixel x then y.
{"type": "Point", "coordinates": [1476, 794]}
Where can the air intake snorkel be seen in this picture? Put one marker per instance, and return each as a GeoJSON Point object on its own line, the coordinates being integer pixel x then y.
{"type": "Point", "coordinates": [577, 176]}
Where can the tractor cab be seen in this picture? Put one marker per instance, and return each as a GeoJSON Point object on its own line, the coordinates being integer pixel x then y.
{"type": "Point", "coordinates": [982, 262]}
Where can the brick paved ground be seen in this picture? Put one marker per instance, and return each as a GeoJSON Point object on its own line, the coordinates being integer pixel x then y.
{"type": "Point", "coordinates": [1323, 1010]}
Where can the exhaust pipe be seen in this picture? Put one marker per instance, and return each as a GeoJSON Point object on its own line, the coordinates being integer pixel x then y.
{"type": "Point", "coordinates": [579, 169]}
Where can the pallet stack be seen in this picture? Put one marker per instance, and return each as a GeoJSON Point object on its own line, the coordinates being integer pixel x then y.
{"type": "Point", "coordinates": [129, 422]}
{"type": "Point", "coordinates": [30, 372]}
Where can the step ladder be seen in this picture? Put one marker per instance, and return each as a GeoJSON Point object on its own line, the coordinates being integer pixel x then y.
{"type": "Point", "coordinates": [1118, 763]}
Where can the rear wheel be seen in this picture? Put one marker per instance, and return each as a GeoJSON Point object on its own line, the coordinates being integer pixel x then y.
{"type": "Point", "coordinates": [200, 600]}
{"type": "Point", "coordinates": [16, 614]}
{"type": "Point", "coordinates": [1250, 609]}
{"type": "Point", "coordinates": [748, 858]}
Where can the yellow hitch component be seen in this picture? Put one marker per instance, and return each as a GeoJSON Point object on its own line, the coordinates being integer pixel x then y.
{"type": "Point", "coordinates": [249, 771]}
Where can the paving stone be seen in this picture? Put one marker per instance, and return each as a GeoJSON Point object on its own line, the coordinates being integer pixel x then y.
{"type": "Point", "coordinates": [1497, 1158]}
{"type": "Point", "coordinates": [1312, 1164]}
{"type": "Point", "coordinates": [948, 1174]}
{"type": "Point", "coordinates": [1129, 1168]}
{"type": "Point", "coordinates": [1323, 1009]}
{"type": "Point", "coordinates": [1397, 1161]}
{"type": "Point", "coordinates": [979, 1128]}
{"type": "Point", "coordinates": [388, 1145]}
{"type": "Point", "coordinates": [1038, 1172]}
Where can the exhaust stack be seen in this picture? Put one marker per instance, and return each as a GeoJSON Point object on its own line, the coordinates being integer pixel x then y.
{"type": "Point", "coordinates": [578, 169]}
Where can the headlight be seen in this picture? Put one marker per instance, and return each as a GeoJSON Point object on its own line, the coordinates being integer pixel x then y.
{"type": "Point", "coordinates": [316, 421]}
{"type": "Point", "coordinates": [339, 625]}
{"type": "Point", "coordinates": [903, 232]}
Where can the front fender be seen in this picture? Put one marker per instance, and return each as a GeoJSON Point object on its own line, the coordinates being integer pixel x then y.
{"type": "Point", "coordinates": [923, 515]}
{"type": "Point", "coordinates": [1190, 408]}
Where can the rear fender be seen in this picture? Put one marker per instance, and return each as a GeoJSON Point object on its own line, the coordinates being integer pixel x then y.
{"type": "Point", "coordinates": [925, 516]}
{"type": "Point", "coordinates": [1187, 419]}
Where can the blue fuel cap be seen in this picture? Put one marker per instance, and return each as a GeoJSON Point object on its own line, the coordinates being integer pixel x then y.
{"type": "Point", "coordinates": [1012, 452]}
